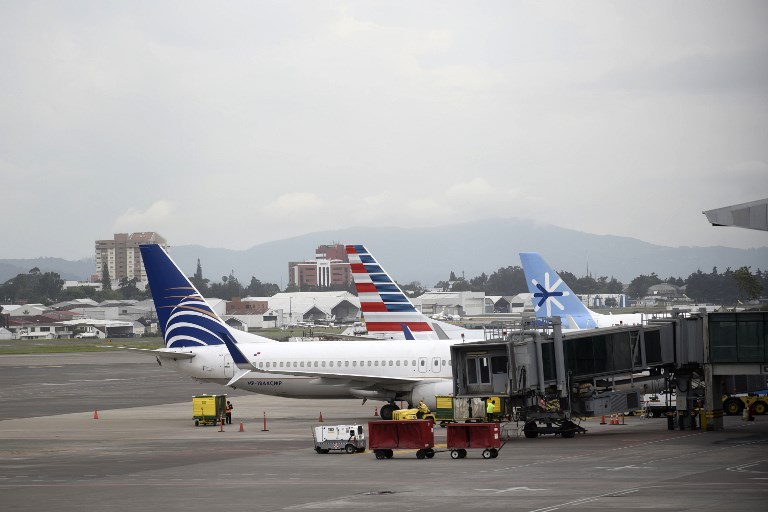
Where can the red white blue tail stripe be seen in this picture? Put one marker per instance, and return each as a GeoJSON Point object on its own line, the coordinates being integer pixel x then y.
{"type": "Point", "coordinates": [386, 309]}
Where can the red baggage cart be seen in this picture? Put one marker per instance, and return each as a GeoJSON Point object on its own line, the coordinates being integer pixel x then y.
{"type": "Point", "coordinates": [384, 436]}
{"type": "Point", "coordinates": [461, 436]}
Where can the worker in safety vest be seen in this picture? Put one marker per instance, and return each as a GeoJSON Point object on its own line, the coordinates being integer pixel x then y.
{"type": "Point", "coordinates": [228, 412]}
{"type": "Point", "coordinates": [422, 409]}
{"type": "Point", "coordinates": [489, 408]}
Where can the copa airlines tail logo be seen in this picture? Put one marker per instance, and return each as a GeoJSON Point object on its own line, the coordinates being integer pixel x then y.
{"type": "Point", "coordinates": [191, 323]}
{"type": "Point", "coordinates": [548, 294]}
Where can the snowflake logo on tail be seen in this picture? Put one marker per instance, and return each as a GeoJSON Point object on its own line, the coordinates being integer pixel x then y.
{"type": "Point", "coordinates": [547, 294]}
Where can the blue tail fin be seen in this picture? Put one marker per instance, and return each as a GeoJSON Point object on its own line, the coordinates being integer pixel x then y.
{"type": "Point", "coordinates": [551, 296]}
{"type": "Point", "coordinates": [186, 320]}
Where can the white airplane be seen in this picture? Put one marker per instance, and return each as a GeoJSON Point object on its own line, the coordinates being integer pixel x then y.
{"type": "Point", "coordinates": [552, 297]}
{"type": "Point", "coordinates": [197, 342]}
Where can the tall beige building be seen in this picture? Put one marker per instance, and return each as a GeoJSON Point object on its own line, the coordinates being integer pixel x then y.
{"type": "Point", "coordinates": [122, 255]}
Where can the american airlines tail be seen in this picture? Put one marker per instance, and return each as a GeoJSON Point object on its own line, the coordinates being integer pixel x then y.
{"type": "Point", "coordinates": [185, 319]}
{"type": "Point", "coordinates": [387, 310]}
{"type": "Point", "coordinates": [552, 297]}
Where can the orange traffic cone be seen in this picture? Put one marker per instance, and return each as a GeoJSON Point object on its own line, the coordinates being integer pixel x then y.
{"type": "Point", "coordinates": [375, 411]}
{"type": "Point", "coordinates": [95, 415]}
{"type": "Point", "coordinates": [320, 419]}
{"type": "Point", "coordinates": [602, 421]}
{"type": "Point", "coordinates": [241, 427]}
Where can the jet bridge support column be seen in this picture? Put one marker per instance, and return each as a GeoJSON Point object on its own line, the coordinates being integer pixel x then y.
{"type": "Point", "coordinates": [713, 400]}
{"type": "Point", "coordinates": [559, 357]}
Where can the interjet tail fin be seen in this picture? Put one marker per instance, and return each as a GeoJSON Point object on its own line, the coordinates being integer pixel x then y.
{"type": "Point", "coordinates": [551, 296]}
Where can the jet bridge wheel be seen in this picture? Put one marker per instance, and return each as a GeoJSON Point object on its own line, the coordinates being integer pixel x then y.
{"type": "Point", "coordinates": [531, 430]}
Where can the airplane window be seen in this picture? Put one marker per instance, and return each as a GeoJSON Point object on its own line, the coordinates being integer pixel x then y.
{"type": "Point", "coordinates": [390, 363]}
{"type": "Point", "coordinates": [443, 362]}
{"type": "Point", "coordinates": [423, 362]}
{"type": "Point", "coordinates": [397, 363]}
{"type": "Point", "coordinates": [383, 363]}
{"type": "Point", "coordinates": [302, 364]}
{"type": "Point", "coordinates": [261, 364]}
{"type": "Point", "coordinates": [346, 363]}
{"type": "Point", "coordinates": [369, 363]}
{"type": "Point", "coordinates": [331, 363]}
{"type": "Point", "coordinates": [362, 363]}
{"type": "Point", "coordinates": [354, 363]}
{"type": "Point", "coordinates": [267, 365]}
{"type": "Point", "coordinates": [375, 363]}
{"type": "Point", "coordinates": [315, 364]}
{"type": "Point", "coordinates": [295, 364]}
{"type": "Point", "coordinates": [405, 363]}
{"type": "Point", "coordinates": [339, 364]}
{"type": "Point", "coordinates": [281, 364]}
{"type": "Point", "coordinates": [323, 364]}
{"type": "Point", "coordinates": [413, 362]}
{"type": "Point", "coordinates": [435, 362]}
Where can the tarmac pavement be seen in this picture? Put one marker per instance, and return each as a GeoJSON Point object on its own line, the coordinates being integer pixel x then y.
{"type": "Point", "coordinates": [144, 453]}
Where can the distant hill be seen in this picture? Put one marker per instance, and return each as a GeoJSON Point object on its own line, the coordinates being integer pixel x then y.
{"type": "Point", "coordinates": [68, 270]}
{"type": "Point", "coordinates": [429, 255]}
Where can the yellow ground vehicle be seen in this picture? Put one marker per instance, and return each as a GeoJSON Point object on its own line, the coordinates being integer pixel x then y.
{"type": "Point", "coordinates": [411, 414]}
{"type": "Point", "coordinates": [733, 405]}
{"type": "Point", "coordinates": [208, 409]}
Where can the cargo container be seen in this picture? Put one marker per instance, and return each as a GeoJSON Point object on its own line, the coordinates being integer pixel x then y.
{"type": "Point", "coordinates": [451, 410]}
{"type": "Point", "coordinates": [485, 436]}
{"type": "Point", "coordinates": [386, 436]}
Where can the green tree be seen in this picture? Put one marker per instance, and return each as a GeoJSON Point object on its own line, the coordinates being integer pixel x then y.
{"type": "Point", "coordinates": [106, 281]}
{"type": "Point", "coordinates": [506, 281]}
{"type": "Point", "coordinates": [749, 286]}
{"type": "Point", "coordinates": [638, 288]}
{"type": "Point", "coordinates": [198, 280]}
{"type": "Point", "coordinates": [258, 289]}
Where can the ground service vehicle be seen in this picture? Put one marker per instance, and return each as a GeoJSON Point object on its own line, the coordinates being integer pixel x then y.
{"type": "Point", "coordinates": [485, 436]}
{"type": "Point", "coordinates": [387, 435]}
{"type": "Point", "coordinates": [733, 405]}
{"type": "Point", "coordinates": [451, 410]}
{"type": "Point", "coordinates": [349, 438]}
{"type": "Point", "coordinates": [411, 414]}
{"type": "Point", "coordinates": [208, 409]}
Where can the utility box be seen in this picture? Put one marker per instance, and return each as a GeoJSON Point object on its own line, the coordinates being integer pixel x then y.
{"type": "Point", "coordinates": [208, 409]}
{"type": "Point", "coordinates": [612, 402]}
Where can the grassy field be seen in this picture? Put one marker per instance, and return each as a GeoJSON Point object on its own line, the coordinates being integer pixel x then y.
{"type": "Point", "coordinates": [101, 345]}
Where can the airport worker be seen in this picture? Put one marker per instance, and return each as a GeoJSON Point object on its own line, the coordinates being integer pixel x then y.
{"type": "Point", "coordinates": [422, 409]}
{"type": "Point", "coordinates": [489, 407]}
{"type": "Point", "coordinates": [228, 412]}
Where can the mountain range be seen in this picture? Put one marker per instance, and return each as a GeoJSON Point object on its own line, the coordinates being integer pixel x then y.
{"type": "Point", "coordinates": [428, 255]}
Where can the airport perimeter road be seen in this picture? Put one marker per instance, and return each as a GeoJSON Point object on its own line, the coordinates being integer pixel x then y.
{"type": "Point", "coordinates": [143, 453]}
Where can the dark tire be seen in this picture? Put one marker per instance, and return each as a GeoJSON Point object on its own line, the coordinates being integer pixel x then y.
{"type": "Point", "coordinates": [350, 448]}
{"type": "Point", "coordinates": [318, 449]}
{"type": "Point", "coordinates": [380, 454]}
{"type": "Point", "coordinates": [197, 423]}
{"type": "Point", "coordinates": [429, 452]}
{"type": "Point", "coordinates": [569, 430]}
{"type": "Point", "coordinates": [494, 453]}
{"type": "Point", "coordinates": [531, 430]}
{"type": "Point", "coordinates": [455, 454]}
{"type": "Point", "coordinates": [390, 454]}
{"type": "Point", "coordinates": [487, 454]}
{"type": "Point", "coordinates": [386, 411]}
{"type": "Point", "coordinates": [733, 407]}
{"type": "Point", "coordinates": [759, 407]}
{"type": "Point", "coordinates": [420, 454]}
{"type": "Point", "coordinates": [462, 453]}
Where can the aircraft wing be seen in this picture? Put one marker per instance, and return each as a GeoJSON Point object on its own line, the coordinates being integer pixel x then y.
{"type": "Point", "coordinates": [161, 353]}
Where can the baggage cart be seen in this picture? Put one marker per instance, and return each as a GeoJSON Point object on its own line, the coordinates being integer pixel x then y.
{"type": "Point", "coordinates": [386, 436]}
{"type": "Point", "coordinates": [485, 436]}
{"type": "Point", "coordinates": [208, 409]}
{"type": "Point", "coordinates": [347, 438]}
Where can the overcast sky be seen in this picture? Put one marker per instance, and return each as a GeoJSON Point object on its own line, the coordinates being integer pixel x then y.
{"type": "Point", "coordinates": [229, 124]}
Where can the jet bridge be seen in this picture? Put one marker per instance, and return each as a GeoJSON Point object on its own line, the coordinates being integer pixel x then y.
{"type": "Point", "coordinates": [582, 373]}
